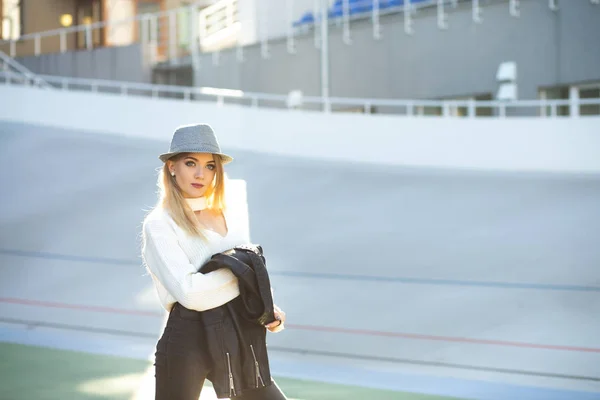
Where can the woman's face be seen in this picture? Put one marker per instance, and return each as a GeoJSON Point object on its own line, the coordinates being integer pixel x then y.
{"type": "Point", "coordinates": [194, 173]}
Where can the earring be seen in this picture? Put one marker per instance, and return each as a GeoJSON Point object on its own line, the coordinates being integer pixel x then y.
{"type": "Point", "coordinates": [172, 173]}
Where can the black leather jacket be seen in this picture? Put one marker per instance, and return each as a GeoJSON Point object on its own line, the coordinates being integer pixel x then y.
{"type": "Point", "coordinates": [237, 346]}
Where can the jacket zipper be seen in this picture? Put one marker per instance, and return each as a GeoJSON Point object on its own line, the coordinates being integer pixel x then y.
{"type": "Point", "coordinates": [231, 387]}
{"type": "Point", "coordinates": [256, 368]}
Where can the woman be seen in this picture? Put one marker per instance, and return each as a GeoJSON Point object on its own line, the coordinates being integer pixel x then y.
{"type": "Point", "coordinates": [191, 223]}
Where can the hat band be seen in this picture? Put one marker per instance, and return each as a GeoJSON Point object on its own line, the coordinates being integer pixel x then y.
{"type": "Point", "coordinates": [196, 150]}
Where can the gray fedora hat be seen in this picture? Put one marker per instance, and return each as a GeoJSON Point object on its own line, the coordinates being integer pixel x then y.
{"type": "Point", "coordinates": [197, 138]}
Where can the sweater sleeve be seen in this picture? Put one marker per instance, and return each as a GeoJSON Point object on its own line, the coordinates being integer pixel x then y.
{"type": "Point", "coordinates": [167, 261]}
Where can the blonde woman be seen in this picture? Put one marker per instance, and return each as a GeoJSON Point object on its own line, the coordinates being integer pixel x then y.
{"type": "Point", "coordinates": [195, 219]}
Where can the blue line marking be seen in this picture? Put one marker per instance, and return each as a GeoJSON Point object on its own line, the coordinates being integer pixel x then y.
{"type": "Point", "coordinates": [323, 275]}
{"type": "Point", "coordinates": [431, 281]}
{"type": "Point", "coordinates": [66, 257]}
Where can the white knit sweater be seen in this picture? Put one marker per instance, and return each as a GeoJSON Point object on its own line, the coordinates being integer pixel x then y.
{"type": "Point", "coordinates": [173, 258]}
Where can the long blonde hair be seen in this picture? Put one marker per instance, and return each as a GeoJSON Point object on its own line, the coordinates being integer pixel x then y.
{"type": "Point", "coordinates": [171, 197]}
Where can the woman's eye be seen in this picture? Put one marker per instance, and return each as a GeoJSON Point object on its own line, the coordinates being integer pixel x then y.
{"type": "Point", "coordinates": [210, 166]}
{"type": "Point", "coordinates": [190, 163]}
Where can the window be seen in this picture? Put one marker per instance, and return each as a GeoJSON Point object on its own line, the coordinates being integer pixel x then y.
{"type": "Point", "coordinates": [556, 93]}
{"type": "Point", "coordinates": [462, 110]}
{"type": "Point", "coordinates": [589, 92]}
{"type": "Point", "coordinates": [89, 12]}
{"type": "Point", "coordinates": [12, 14]}
{"type": "Point", "coordinates": [575, 92]}
{"type": "Point", "coordinates": [149, 7]}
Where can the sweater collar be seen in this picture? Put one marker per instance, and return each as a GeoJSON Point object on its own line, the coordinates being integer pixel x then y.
{"type": "Point", "coordinates": [197, 203]}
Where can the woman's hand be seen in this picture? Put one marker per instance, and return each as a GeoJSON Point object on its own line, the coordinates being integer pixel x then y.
{"type": "Point", "coordinates": [277, 325]}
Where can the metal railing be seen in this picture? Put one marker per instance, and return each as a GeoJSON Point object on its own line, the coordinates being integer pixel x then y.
{"type": "Point", "coordinates": [161, 29]}
{"type": "Point", "coordinates": [26, 75]}
{"type": "Point", "coordinates": [543, 108]}
{"type": "Point", "coordinates": [181, 31]}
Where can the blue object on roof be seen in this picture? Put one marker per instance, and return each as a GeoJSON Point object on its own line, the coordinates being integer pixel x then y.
{"type": "Point", "coordinates": [354, 7]}
{"type": "Point", "coordinates": [307, 18]}
{"type": "Point", "coordinates": [393, 3]}
{"type": "Point", "coordinates": [335, 12]}
{"type": "Point", "coordinates": [358, 6]}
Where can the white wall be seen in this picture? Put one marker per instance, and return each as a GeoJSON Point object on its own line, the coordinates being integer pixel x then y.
{"type": "Point", "coordinates": [530, 144]}
{"type": "Point", "coordinates": [271, 17]}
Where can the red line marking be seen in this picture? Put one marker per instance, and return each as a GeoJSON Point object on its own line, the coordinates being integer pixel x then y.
{"type": "Point", "coordinates": [50, 304]}
{"type": "Point", "coordinates": [315, 328]}
{"type": "Point", "coordinates": [446, 338]}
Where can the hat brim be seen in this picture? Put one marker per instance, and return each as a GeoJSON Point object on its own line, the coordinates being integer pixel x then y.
{"type": "Point", "coordinates": [224, 157]}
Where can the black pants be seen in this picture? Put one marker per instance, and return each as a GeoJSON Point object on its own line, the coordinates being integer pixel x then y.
{"type": "Point", "coordinates": [181, 363]}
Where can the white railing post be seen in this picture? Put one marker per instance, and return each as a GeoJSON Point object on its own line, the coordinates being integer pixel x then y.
{"type": "Point", "coordinates": [153, 35]}
{"type": "Point", "coordinates": [502, 110]}
{"type": "Point", "coordinates": [88, 37]}
{"type": "Point", "coordinates": [202, 29]}
{"type": "Point", "coordinates": [471, 113]}
{"type": "Point", "coordinates": [38, 45]}
{"type": "Point", "coordinates": [346, 21]}
{"type": "Point", "coordinates": [144, 27]}
{"type": "Point", "coordinates": [446, 109]}
{"type": "Point", "coordinates": [410, 109]}
{"type": "Point", "coordinates": [553, 112]}
{"type": "Point", "coordinates": [291, 47]}
{"type": "Point", "coordinates": [376, 24]}
{"type": "Point", "coordinates": [193, 45]}
{"type": "Point", "coordinates": [13, 49]}
{"type": "Point", "coordinates": [407, 18]}
{"type": "Point", "coordinates": [442, 19]}
{"type": "Point", "coordinates": [544, 104]}
{"type": "Point", "coordinates": [317, 18]}
{"type": "Point", "coordinates": [514, 8]}
{"type": "Point", "coordinates": [574, 101]}
{"type": "Point", "coordinates": [172, 37]}
{"type": "Point", "coordinates": [254, 101]}
{"type": "Point", "coordinates": [264, 33]}
{"type": "Point", "coordinates": [63, 41]}
{"type": "Point", "coordinates": [325, 56]}
{"type": "Point", "coordinates": [154, 29]}
{"type": "Point", "coordinates": [476, 12]}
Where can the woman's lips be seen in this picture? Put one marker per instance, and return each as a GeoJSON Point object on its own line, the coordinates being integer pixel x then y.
{"type": "Point", "coordinates": [197, 185]}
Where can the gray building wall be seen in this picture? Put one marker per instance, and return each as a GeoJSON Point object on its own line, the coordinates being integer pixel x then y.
{"type": "Point", "coordinates": [123, 63]}
{"type": "Point", "coordinates": [550, 48]}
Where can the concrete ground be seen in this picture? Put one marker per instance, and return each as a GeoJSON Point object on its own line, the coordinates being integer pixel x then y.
{"type": "Point", "coordinates": [476, 285]}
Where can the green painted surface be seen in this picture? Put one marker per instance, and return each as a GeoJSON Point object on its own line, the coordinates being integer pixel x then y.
{"type": "Point", "coordinates": [28, 372]}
